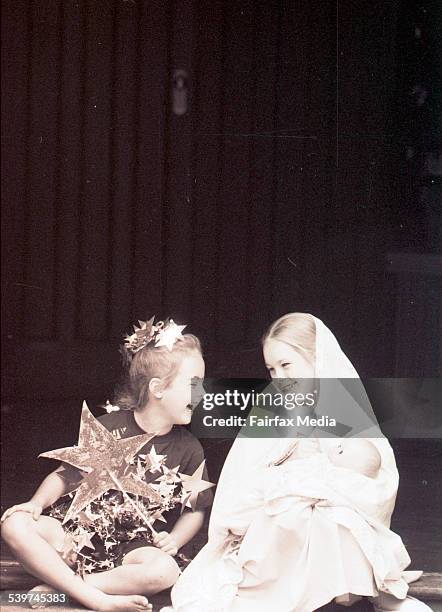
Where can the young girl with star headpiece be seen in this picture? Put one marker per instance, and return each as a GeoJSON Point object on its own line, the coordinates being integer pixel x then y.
{"type": "Point", "coordinates": [163, 365]}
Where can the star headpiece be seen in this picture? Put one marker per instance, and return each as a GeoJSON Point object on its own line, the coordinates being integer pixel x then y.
{"type": "Point", "coordinates": [161, 333]}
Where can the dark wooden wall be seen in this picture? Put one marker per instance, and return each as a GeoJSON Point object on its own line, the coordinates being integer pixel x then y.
{"type": "Point", "coordinates": [273, 193]}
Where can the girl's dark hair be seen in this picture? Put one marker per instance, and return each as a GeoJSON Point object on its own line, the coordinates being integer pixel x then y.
{"type": "Point", "coordinates": [153, 362]}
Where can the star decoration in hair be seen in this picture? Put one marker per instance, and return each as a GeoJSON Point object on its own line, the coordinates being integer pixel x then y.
{"type": "Point", "coordinates": [143, 333]}
{"type": "Point", "coordinates": [169, 334]}
{"type": "Point", "coordinates": [193, 485]}
{"type": "Point", "coordinates": [161, 333]}
{"type": "Point", "coordinates": [106, 462]}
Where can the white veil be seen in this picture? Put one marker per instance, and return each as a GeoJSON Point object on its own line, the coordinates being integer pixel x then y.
{"type": "Point", "coordinates": [249, 453]}
{"type": "Point", "coordinates": [280, 513]}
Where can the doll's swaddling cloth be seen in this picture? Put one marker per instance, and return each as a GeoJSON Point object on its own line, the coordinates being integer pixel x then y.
{"type": "Point", "coordinates": [313, 490]}
{"type": "Point", "coordinates": [294, 537]}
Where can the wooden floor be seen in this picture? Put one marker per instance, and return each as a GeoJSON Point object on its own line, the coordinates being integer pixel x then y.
{"type": "Point", "coordinates": [14, 578]}
{"type": "Point", "coordinates": [417, 518]}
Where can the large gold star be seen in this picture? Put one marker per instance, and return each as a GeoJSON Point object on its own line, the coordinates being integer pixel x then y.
{"type": "Point", "coordinates": [193, 485]}
{"type": "Point", "coordinates": [105, 461]}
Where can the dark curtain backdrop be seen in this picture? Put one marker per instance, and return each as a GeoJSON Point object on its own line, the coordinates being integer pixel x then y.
{"type": "Point", "coordinates": [283, 187]}
{"type": "Point", "coordinates": [276, 191]}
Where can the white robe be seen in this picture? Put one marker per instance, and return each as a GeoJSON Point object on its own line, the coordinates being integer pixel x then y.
{"type": "Point", "coordinates": [295, 536]}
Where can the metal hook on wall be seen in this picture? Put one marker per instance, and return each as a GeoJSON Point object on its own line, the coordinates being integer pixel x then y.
{"type": "Point", "coordinates": [180, 80]}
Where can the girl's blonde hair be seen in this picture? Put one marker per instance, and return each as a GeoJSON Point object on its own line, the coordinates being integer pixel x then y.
{"type": "Point", "coordinates": [153, 362]}
{"type": "Point", "coordinates": [298, 330]}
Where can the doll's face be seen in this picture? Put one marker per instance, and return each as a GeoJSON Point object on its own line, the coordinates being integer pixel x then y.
{"type": "Point", "coordinates": [284, 362]}
{"type": "Point", "coordinates": [356, 454]}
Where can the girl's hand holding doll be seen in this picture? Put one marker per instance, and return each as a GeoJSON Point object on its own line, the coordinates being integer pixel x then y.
{"type": "Point", "coordinates": [165, 542]}
{"type": "Point", "coordinates": [30, 507]}
{"type": "Point", "coordinates": [307, 447]}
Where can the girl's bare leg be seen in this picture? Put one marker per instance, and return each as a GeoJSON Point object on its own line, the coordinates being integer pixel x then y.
{"type": "Point", "coordinates": [146, 570]}
{"type": "Point", "coordinates": [35, 544]}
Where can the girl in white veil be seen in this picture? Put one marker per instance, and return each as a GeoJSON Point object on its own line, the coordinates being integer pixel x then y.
{"type": "Point", "coordinates": [282, 540]}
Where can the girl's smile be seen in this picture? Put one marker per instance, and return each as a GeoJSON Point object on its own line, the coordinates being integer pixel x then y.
{"type": "Point", "coordinates": [295, 373]}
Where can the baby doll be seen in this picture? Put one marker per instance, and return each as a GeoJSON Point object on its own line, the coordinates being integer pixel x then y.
{"type": "Point", "coordinates": [356, 454]}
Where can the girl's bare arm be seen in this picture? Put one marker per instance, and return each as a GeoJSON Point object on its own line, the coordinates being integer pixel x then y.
{"type": "Point", "coordinates": [51, 489]}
